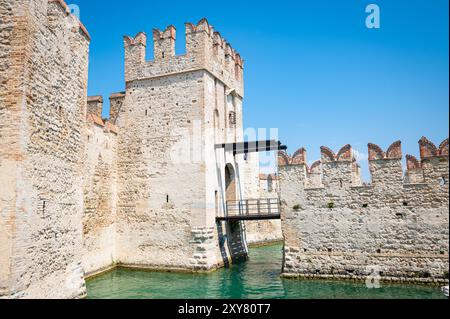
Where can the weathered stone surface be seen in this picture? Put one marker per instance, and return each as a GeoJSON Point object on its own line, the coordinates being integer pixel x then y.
{"type": "Point", "coordinates": [263, 231]}
{"type": "Point", "coordinates": [81, 194]}
{"type": "Point", "coordinates": [344, 228]}
{"type": "Point", "coordinates": [170, 176]}
{"type": "Point", "coordinates": [43, 70]}
{"type": "Point", "coordinates": [100, 195]}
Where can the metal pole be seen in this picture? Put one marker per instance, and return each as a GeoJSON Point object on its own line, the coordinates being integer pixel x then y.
{"type": "Point", "coordinates": [259, 207]}
{"type": "Point", "coordinates": [247, 208]}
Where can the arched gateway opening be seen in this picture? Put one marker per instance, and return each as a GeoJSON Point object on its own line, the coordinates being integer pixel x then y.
{"type": "Point", "coordinates": [238, 210]}
{"type": "Point", "coordinates": [235, 238]}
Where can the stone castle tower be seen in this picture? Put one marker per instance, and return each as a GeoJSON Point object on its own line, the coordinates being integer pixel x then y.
{"type": "Point", "coordinates": [172, 179]}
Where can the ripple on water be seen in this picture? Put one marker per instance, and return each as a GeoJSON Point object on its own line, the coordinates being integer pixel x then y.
{"type": "Point", "coordinates": [258, 278]}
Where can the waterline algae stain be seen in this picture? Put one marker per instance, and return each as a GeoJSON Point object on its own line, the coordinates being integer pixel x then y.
{"type": "Point", "coordinates": [258, 278]}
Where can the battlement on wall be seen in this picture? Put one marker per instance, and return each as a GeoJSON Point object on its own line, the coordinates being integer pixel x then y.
{"type": "Point", "coordinates": [116, 103]}
{"type": "Point", "coordinates": [60, 8]}
{"type": "Point", "coordinates": [429, 150]}
{"type": "Point", "coordinates": [335, 228]}
{"type": "Point", "coordinates": [328, 156]}
{"type": "Point", "coordinates": [386, 167]}
{"type": "Point", "coordinates": [94, 113]}
{"type": "Point", "coordinates": [205, 49]}
{"type": "Point", "coordinates": [95, 105]}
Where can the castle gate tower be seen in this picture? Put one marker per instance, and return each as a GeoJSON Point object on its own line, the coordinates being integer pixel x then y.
{"type": "Point", "coordinates": [171, 176]}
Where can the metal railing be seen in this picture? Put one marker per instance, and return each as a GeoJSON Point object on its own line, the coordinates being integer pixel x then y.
{"type": "Point", "coordinates": [253, 209]}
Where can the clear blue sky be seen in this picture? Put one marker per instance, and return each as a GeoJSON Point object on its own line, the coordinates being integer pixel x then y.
{"type": "Point", "coordinates": [312, 68]}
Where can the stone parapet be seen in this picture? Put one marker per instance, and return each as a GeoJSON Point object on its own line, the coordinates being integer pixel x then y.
{"type": "Point", "coordinates": [335, 226]}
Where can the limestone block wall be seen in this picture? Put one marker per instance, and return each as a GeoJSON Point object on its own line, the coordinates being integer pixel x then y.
{"type": "Point", "coordinates": [42, 110]}
{"type": "Point", "coordinates": [345, 229]}
{"type": "Point", "coordinates": [265, 231]}
{"type": "Point", "coordinates": [158, 197]}
{"type": "Point", "coordinates": [13, 26]}
{"type": "Point", "coordinates": [95, 105]}
{"type": "Point", "coordinates": [100, 196]}
{"type": "Point", "coordinates": [116, 107]}
{"type": "Point", "coordinates": [260, 186]}
{"type": "Point", "coordinates": [250, 169]}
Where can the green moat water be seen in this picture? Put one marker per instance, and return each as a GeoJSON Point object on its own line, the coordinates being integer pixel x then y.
{"type": "Point", "coordinates": [258, 278]}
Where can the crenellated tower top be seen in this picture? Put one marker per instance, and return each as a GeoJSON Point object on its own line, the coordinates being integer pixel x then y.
{"type": "Point", "coordinates": [206, 50]}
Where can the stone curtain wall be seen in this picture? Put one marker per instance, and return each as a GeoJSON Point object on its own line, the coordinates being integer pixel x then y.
{"type": "Point", "coordinates": [100, 195]}
{"type": "Point", "coordinates": [42, 111]}
{"type": "Point", "coordinates": [398, 225]}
